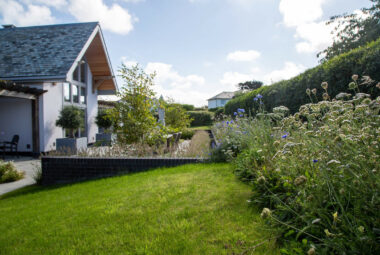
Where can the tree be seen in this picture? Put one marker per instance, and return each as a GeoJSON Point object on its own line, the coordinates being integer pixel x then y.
{"type": "Point", "coordinates": [133, 114]}
{"type": "Point", "coordinates": [176, 117]}
{"type": "Point", "coordinates": [353, 30]}
{"type": "Point", "coordinates": [250, 85]}
{"type": "Point", "coordinates": [70, 118]}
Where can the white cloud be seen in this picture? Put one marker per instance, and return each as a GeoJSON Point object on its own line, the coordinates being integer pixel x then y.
{"type": "Point", "coordinates": [113, 18]}
{"type": "Point", "coordinates": [231, 79]}
{"type": "Point", "coordinates": [289, 70]}
{"type": "Point", "coordinates": [296, 12]}
{"type": "Point", "coordinates": [304, 16]}
{"type": "Point", "coordinates": [246, 56]}
{"type": "Point", "coordinates": [128, 63]}
{"type": "Point", "coordinates": [183, 88]}
{"type": "Point", "coordinates": [53, 3]}
{"type": "Point", "coordinates": [13, 12]}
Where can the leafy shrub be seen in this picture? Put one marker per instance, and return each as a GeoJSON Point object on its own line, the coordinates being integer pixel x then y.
{"type": "Point", "coordinates": [315, 173]}
{"type": "Point", "coordinates": [214, 109]}
{"type": "Point", "coordinates": [37, 176]}
{"type": "Point", "coordinates": [200, 118]}
{"type": "Point", "coordinates": [187, 134]}
{"type": "Point", "coordinates": [291, 93]}
{"type": "Point", "coordinates": [188, 107]}
{"type": "Point", "coordinates": [176, 117]}
{"type": "Point", "coordinates": [103, 119]}
{"type": "Point", "coordinates": [9, 173]}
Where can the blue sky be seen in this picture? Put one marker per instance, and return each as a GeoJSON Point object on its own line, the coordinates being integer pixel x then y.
{"type": "Point", "coordinates": [199, 48]}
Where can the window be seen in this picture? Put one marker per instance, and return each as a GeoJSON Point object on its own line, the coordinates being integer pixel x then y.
{"type": "Point", "coordinates": [83, 95]}
{"type": "Point", "coordinates": [67, 92]}
{"type": "Point", "coordinates": [83, 72]}
{"type": "Point", "coordinates": [75, 94]}
{"type": "Point", "coordinates": [75, 74]}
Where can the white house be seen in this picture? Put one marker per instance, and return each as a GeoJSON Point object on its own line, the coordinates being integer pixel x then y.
{"type": "Point", "coordinates": [220, 100]}
{"type": "Point", "coordinates": [47, 68]}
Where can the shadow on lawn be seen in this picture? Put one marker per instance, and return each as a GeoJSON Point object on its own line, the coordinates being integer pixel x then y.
{"type": "Point", "coordinates": [28, 190]}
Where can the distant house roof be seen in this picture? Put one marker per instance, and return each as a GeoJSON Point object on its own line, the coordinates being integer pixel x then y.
{"type": "Point", "coordinates": [41, 51]}
{"type": "Point", "coordinates": [223, 95]}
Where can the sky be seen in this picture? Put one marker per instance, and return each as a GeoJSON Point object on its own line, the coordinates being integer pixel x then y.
{"type": "Point", "coordinates": [199, 48]}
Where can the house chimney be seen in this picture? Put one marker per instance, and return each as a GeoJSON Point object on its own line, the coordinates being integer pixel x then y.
{"type": "Point", "coordinates": [7, 26]}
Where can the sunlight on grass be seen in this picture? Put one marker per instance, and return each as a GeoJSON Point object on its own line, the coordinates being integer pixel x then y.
{"type": "Point", "coordinates": [193, 209]}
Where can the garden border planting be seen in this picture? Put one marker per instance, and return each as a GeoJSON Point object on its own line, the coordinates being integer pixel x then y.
{"type": "Point", "coordinates": [60, 170]}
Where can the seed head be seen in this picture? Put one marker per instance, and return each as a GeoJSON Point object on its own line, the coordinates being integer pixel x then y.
{"type": "Point", "coordinates": [355, 77]}
{"type": "Point", "coordinates": [324, 85]}
{"type": "Point", "coordinates": [325, 96]}
{"type": "Point", "coordinates": [266, 213]}
{"type": "Point", "coordinates": [311, 251]}
{"type": "Point", "coordinates": [314, 91]}
{"type": "Point", "coordinates": [300, 180]}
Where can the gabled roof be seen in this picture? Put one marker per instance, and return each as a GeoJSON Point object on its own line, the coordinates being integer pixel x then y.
{"type": "Point", "coordinates": [223, 95]}
{"type": "Point", "coordinates": [42, 51]}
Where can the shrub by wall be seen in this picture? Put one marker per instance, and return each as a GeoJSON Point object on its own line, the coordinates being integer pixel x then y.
{"type": "Point", "coordinates": [200, 118]}
{"type": "Point", "coordinates": [337, 72]}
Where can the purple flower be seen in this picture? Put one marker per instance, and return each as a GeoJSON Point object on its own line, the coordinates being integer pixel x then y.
{"type": "Point", "coordinates": [235, 113]}
{"type": "Point", "coordinates": [255, 99]}
{"type": "Point", "coordinates": [241, 115]}
{"type": "Point", "coordinates": [315, 160]}
{"type": "Point", "coordinates": [284, 136]}
{"type": "Point", "coordinates": [261, 102]}
{"type": "Point", "coordinates": [259, 96]}
{"type": "Point", "coordinates": [240, 110]}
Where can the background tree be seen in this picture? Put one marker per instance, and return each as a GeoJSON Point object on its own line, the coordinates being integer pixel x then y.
{"type": "Point", "coordinates": [250, 85]}
{"type": "Point", "coordinates": [133, 115]}
{"type": "Point", "coordinates": [353, 30]}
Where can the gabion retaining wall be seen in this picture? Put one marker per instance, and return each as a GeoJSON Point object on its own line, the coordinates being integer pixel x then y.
{"type": "Point", "coordinates": [58, 170]}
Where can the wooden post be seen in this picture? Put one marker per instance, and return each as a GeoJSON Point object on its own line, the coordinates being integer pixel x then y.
{"type": "Point", "coordinates": [35, 126]}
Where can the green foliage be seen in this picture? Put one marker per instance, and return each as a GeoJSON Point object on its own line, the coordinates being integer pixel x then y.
{"type": "Point", "coordinates": [176, 117]}
{"type": "Point", "coordinates": [337, 72]}
{"type": "Point", "coordinates": [9, 173]}
{"type": "Point", "coordinates": [200, 118]}
{"type": "Point", "coordinates": [71, 118]}
{"type": "Point", "coordinates": [104, 119]}
{"type": "Point", "coordinates": [188, 107]}
{"type": "Point", "coordinates": [352, 30]}
{"type": "Point", "coordinates": [133, 115]}
{"type": "Point", "coordinates": [250, 85]}
{"type": "Point", "coordinates": [314, 173]}
{"type": "Point", "coordinates": [187, 134]}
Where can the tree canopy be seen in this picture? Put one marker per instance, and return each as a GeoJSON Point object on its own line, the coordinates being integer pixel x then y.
{"type": "Point", "coordinates": [250, 85]}
{"type": "Point", "coordinates": [353, 30]}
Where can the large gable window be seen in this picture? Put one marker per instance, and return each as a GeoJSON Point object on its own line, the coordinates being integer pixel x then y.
{"type": "Point", "coordinates": [79, 73]}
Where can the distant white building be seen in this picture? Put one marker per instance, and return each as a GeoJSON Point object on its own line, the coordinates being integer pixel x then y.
{"type": "Point", "coordinates": [220, 100]}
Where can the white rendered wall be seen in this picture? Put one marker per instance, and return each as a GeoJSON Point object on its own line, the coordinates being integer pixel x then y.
{"type": "Point", "coordinates": [51, 104]}
{"type": "Point", "coordinates": [16, 119]}
{"type": "Point", "coordinates": [92, 109]}
{"type": "Point", "coordinates": [212, 104]}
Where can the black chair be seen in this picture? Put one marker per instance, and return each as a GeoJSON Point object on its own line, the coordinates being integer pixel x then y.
{"type": "Point", "coordinates": [11, 146]}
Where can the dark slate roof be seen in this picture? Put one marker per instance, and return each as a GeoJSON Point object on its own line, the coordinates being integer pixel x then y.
{"type": "Point", "coordinates": [41, 51]}
{"type": "Point", "coordinates": [223, 95]}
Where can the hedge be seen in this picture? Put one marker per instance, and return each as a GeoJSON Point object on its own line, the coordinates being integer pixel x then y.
{"type": "Point", "coordinates": [200, 118]}
{"type": "Point", "coordinates": [337, 72]}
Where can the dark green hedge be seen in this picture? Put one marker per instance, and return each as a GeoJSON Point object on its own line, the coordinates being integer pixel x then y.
{"type": "Point", "coordinates": [200, 118]}
{"type": "Point", "coordinates": [337, 72]}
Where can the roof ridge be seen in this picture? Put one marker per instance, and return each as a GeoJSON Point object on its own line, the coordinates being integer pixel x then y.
{"type": "Point", "coordinates": [52, 25]}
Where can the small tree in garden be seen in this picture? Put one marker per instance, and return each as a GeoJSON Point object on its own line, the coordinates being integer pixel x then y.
{"type": "Point", "coordinates": [70, 118]}
{"type": "Point", "coordinates": [104, 119]}
{"type": "Point", "coordinates": [176, 117]}
{"type": "Point", "coordinates": [133, 116]}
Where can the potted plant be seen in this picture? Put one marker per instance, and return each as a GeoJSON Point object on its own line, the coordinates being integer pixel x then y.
{"type": "Point", "coordinates": [104, 122]}
{"type": "Point", "coordinates": [71, 118]}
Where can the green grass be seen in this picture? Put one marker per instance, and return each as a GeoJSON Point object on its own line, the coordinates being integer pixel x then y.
{"type": "Point", "coordinates": [192, 209]}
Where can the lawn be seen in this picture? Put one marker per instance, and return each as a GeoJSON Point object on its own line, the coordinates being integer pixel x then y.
{"type": "Point", "coordinates": [192, 209]}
